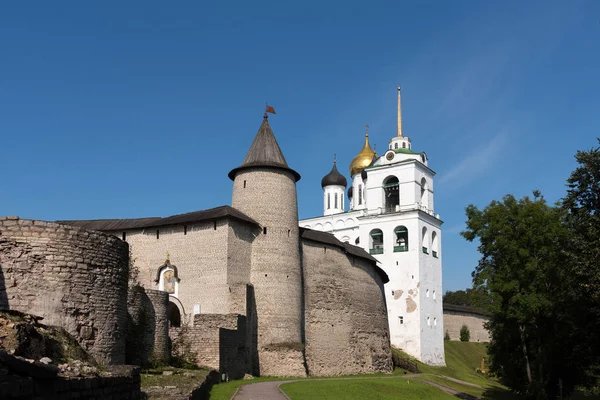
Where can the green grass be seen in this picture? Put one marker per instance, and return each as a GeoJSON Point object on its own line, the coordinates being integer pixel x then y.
{"type": "Point", "coordinates": [474, 391]}
{"type": "Point", "coordinates": [462, 361]}
{"type": "Point", "coordinates": [373, 389]}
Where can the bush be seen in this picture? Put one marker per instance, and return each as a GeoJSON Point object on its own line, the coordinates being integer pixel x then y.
{"type": "Point", "coordinates": [446, 335]}
{"type": "Point", "coordinates": [465, 335]}
{"type": "Point", "coordinates": [406, 364]}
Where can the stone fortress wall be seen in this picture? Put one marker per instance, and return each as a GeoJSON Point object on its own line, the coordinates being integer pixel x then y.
{"type": "Point", "coordinates": [148, 326]}
{"type": "Point", "coordinates": [346, 315]}
{"type": "Point", "coordinates": [73, 278]}
{"type": "Point", "coordinates": [457, 316]}
{"type": "Point", "coordinates": [276, 271]}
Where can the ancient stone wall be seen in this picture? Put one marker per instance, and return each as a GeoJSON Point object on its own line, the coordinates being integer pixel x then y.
{"type": "Point", "coordinates": [148, 330]}
{"type": "Point", "coordinates": [276, 267]}
{"type": "Point", "coordinates": [208, 278]}
{"type": "Point", "coordinates": [346, 317]}
{"type": "Point", "coordinates": [454, 320]}
{"type": "Point", "coordinates": [218, 341]}
{"type": "Point", "coordinates": [123, 384]}
{"type": "Point", "coordinates": [74, 278]}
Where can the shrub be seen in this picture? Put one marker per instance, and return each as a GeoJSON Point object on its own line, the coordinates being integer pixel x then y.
{"type": "Point", "coordinates": [465, 335]}
{"type": "Point", "coordinates": [446, 335]}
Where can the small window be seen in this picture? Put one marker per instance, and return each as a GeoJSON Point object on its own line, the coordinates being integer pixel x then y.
{"type": "Point", "coordinates": [335, 201]}
{"type": "Point", "coordinates": [435, 322]}
{"type": "Point", "coordinates": [360, 194]}
{"type": "Point", "coordinates": [185, 229]}
{"type": "Point", "coordinates": [289, 233]}
{"type": "Point", "coordinates": [157, 234]}
{"type": "Point", "coordinates": [124, 236]}
{"type": "Point", "coordinates": [400, 320]}
{"type": "Point", "coordinates": [265, 230]}
{"type": "Point", "coordinates": [403, 145]}
{"type": "Point", "coordinates": [328, 201]}
{"type": "Point", "coordinates": [427, 293]}
{"type": "Point", "coordinates": [428, 321]}
{"type": "Point", "coordinates": [244, 184]}
{"type": "Point", "coordinates": [395, 145]}
{"type": "Point", "coordinates": [215, 225]}
{"type": "Point", "coordinates": [434, 294]}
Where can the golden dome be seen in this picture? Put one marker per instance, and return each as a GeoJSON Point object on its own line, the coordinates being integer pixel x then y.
{"type": "Point", "coordinates": [362, 159]}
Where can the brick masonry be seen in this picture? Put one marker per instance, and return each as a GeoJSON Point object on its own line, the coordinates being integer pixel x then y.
{"type": "Point", "coordinates": [74, 278]}
{"type": "Point", "coordinates": [346, 317]}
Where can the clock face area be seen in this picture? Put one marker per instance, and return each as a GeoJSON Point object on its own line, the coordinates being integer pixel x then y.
{"type": "Point", "coordinates": [389, 155]}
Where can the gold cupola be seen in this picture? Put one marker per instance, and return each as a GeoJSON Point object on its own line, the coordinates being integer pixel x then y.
{"type": "Point", "coordinates": [364, 158]}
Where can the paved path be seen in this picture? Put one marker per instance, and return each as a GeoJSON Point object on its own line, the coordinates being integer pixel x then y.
{"type": "Point", "coordinates": [271, 390]}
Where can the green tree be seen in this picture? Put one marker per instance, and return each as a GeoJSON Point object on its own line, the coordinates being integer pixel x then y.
{"type": "Point", "coordinates": [522, 271]}
{"type": "Point", "coordinates": [465, 335]}
{"type": "Point", "coordinates": [582, 204]}
{"type": "Point", "coordinates": [468, 297]}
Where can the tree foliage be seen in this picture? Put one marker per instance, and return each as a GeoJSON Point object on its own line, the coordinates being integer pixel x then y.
{"type": "Point", "coordinates": [540, 268]}
{"type": "Point", "coordinates": [465, 334]}
{"type": "Point", "coordinates": [468, 297]}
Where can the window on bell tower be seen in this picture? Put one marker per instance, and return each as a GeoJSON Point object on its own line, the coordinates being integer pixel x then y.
{"type": "Point", "coordinates": [335, 200]}
{"type": "Point", "coordinates": [328, 201]}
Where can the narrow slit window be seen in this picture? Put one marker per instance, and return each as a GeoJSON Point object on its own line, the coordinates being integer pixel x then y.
{"type": "Point", "coordinates": [265, 230]}
{"type": "Point", "coordinates": [335, 196]}
{"type": "Point", "coordinates": [400, 320]}
{"type": "Point", "coordinates": [124, 236]}
{"type": "Point", "coordinates": [244, 184]}
{"type": "Point", "coordinates": [215, 225]}
{"type": "Point", "coordinates": [328, 201]}
{"type": "Point", "coordinates": [185, 229]}
{"type": "Point", "coordinates": [157, 234]}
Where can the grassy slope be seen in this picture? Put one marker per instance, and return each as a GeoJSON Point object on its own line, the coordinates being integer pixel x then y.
{"type": "Point", "coordinates": [462, 361]}
{"type": "Point", "coordinates": [372, 389]}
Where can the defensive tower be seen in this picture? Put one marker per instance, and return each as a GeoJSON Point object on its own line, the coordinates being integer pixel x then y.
{"type": "Point", "coordinates": [264, 188]}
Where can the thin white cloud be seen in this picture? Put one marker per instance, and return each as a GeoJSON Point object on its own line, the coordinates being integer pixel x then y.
{"type": "Point", "coordinates": [476, 163]}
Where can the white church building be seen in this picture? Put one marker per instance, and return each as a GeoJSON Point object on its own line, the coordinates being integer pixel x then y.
{"type": "Point", "coordinates": [391, 215]}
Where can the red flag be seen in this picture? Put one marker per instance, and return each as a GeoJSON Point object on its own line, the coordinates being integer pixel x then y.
{"type": "Point", "coordinates": [270, 110]}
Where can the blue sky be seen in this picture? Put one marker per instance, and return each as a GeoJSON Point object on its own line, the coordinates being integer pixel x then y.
{"type": "Point", "coordinates": [131, 109]}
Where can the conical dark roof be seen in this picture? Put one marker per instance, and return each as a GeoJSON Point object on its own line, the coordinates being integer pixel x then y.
{"type": "Point", "coordinates": [264, 152]}
{"type": "Point", "coordinates": [334, 178]}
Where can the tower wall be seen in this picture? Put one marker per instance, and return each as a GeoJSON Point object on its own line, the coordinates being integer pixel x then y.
{"type": "Point", "coordinates": [269, 196]}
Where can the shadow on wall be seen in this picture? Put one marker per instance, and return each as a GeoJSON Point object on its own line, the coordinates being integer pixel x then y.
{"type": "Point", "coordinates": [3, 296]}
{"type": "Point", "coordinates": [141, 323]}
{"type": "Point", "coordinates": [251, 332]}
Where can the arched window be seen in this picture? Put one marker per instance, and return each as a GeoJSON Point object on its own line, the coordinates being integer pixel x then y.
{"type": "Point", "coordinates": [376, 239]}
{"type": "Point", "coordinates": [391, 189]}
{"type": "Point", "coordinates": [403, 145]}
{"type": "Point", "coordinates": [328, 201]}
{"type": "Point", "coordinates": [335, 203]}
{"type": "Point", "coordinates": [424, 241]}
{"type": "Point", "coordinates": [424, 193]}
{"type": "Point", "coordinates": [434, 244]}
{"type": "Point", "coordinates": [401, 239]}
{"type": "Point", "coordinates": [395, 145]}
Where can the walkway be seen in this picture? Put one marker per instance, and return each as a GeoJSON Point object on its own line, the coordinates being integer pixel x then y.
{"type": "Point", "coordinates": [271, 390]}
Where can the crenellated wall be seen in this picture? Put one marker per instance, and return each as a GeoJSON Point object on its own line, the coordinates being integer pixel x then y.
{"type": "Point", "coordinates": [74, 278]}
{"type": "Point", "coordinates": [346, 316]}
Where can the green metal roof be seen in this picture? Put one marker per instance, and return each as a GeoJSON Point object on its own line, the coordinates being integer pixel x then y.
{"type": "Point", "coordinates": [405, 151]}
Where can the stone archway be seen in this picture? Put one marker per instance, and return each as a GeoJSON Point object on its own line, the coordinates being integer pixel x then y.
{"type": "Point", "coordinates": [173, 315]}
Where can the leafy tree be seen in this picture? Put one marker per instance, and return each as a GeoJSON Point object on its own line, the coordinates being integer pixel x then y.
{"type": "Point", "coordinates": [465, 335]}
{"type": "Point", "coordinates": [522, 271]}
{"type": "Point", "coordinates": [582, 204]}
{"type": "Point", "coordinates": [469, 297]}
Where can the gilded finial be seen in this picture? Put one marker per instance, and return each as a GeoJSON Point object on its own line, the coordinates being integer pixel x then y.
{"type": "Point", "coordinates": [399, 129]}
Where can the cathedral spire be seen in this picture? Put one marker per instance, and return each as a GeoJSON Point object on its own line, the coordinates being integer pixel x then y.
{"type": "Point", "coordinates": [399, 130]}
